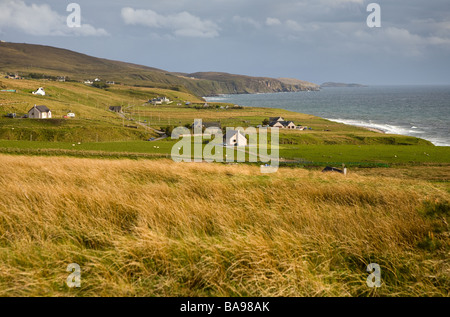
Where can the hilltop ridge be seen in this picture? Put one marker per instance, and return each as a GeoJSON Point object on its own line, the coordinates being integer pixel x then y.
{"type": "Point", "coordinates": [30, 58]}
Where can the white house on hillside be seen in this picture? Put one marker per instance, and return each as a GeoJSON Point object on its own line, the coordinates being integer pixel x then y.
{"type": "Point", "coordinates": [279, 122]}
{"type": "Point", "coordinates": [235, 138]}
{"type": "Point", "coordinates": [283, 124]}
{"type": "Point", "coordinates": [159, 101]}
{"type": "Point", "coordinates": [39, 112]}
{"type": "Point", "coordinates": [40, 92]}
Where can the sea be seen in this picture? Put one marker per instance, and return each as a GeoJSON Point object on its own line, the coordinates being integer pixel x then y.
{"type": "Point", "coordinates": [419, 111]}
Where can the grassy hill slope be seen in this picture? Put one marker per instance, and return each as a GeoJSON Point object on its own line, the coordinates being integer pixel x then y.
{"type": "Point", "coordinates": [28, 58]}
{"type": "Point", "coordinates": [93, 121]}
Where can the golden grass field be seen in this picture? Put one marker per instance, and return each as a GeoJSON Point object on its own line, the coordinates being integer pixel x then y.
{"type": "Point", "coordinates": [159, 228]}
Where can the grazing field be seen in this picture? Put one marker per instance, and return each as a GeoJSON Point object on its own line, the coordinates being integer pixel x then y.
{"type": "Point", "coordinates": [315, 154]}
{"type": "Point", "coordinates": [125, 147]}
{"type": "Point", "coordinates": [159, 228]}
{"type": "Point", "coordinates": [390, 154]}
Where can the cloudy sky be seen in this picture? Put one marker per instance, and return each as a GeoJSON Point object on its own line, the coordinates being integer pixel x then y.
{"type": "Point", "coordinates": [318, 41]}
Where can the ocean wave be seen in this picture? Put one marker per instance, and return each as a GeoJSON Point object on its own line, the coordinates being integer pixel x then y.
{"type": "Point", "coordinates": [387, 128]}
{"type": "Point", "coordinates": [393, 129]}
{"type": "Point", "coordinates": [216, 98]}
{"type": "Point", "coordinates": [210, 99]}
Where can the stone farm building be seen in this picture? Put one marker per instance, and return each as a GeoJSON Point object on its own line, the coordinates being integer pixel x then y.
{"type": "Point", "coordinates": [115, 108]}
{"type": "Point", "coordinates": [39, 112]}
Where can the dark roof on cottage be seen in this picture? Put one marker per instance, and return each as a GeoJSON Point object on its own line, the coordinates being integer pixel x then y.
{"type": "Point", "coordinates": [284, 123]}
{"type": "Point", "coordinates": [41, 108]}
{"type": "Point", "coordinates": [230, 133]}
{"type": "Point", "coordinates": [212, 124]}
{"type": "Point", "coordinates": [271, 119]}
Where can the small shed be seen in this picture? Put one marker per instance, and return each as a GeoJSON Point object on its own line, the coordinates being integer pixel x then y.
{"type": "Point", "coordinates": [115, 108]}
{"type": "Point", "coordinates": [334, 169]}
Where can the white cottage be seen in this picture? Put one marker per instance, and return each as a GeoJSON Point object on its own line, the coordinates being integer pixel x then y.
{"type": "Point", "coordinates": [235, 138]}
{"type": "Point", "coordinates": [289, 125]}
{"type": "Point", "coordinates": [40, 92]}
{"type": "Point", "coordinates": [276, 124]}
{"type": "Point", "coordinates": [39, 112]}
{"type": "Point", "coordinates": [282, 124]}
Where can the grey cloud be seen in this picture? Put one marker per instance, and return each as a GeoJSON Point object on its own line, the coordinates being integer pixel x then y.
{"type": "Point", "coordinates": [40, 20]}
{"type": "Point", "coordinates": [312, 40]}
{"type": "Point", "coordinates": [272, 21]}
{"type": "Point", "coordinates": [246, 21]}
{"type": "Point", "coordinates": [181, 24]}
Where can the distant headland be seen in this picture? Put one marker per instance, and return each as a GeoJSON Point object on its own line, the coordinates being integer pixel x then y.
{"type": "Point", "coordinates": [333, 84]}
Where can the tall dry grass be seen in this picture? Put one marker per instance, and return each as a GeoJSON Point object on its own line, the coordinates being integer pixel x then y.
{"type": "Point", "coordinates": [158, 228]}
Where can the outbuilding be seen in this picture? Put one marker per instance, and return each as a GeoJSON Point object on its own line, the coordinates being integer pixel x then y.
{"type": "Point", "coordinates": [39, 112]}
{"type": "Point", "coordinates": [115, 109]}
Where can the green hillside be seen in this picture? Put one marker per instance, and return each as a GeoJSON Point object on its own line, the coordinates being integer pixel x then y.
{"type": "Point", "coordinates": [93, 121]}
{"type": "Point", "coordinates": [27, 58]}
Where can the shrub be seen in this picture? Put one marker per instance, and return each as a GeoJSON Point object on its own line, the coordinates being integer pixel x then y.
{"type": "Point", "coordinates": [99, 84]}
{"type": "Point", "coordinates": [435, 209]}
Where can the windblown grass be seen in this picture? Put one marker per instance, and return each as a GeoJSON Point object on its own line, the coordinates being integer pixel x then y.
{"type": "Point", "coordinates": [158, 228]}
